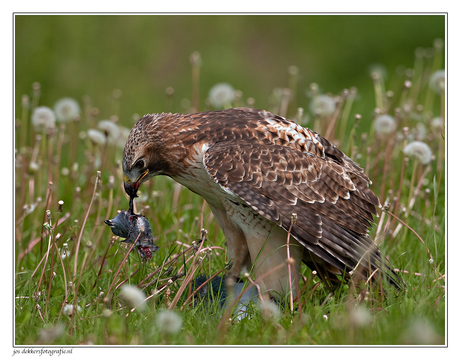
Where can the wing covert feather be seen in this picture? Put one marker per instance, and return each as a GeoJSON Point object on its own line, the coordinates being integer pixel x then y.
{"type": "Point", "coordinates": [334, 207]}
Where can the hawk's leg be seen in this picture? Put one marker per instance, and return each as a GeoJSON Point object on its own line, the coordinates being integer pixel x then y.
{"type": "Point", "coordinates": [236, 243]}
{"type": "Point", "coordinates": [269, 255]}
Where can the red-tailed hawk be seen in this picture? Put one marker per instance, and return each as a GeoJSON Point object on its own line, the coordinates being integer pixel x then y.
{"type": "Point", "coordinates": [255, 170]}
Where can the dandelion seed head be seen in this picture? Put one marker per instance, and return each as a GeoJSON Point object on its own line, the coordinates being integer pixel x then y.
{"type": "Point", "coordinates": [437, 81]}
{"type": "Point", "coordinates": [378, 71]}
{"type": "Point", "coordinates": [269, 311]}
{"type": "Point", "coordinates": [169, 91]}
{"type": "Point", "coordinates": [25, 101]}
{"type": "Point", "coordinates": [293, 70]}
{"type": "Point", "coordinates": [51, 333]}
{"type": "Point", "coordinates": [384, 124]}
{"type": "Point", "coordinates": [314, 87]}
{"type": "Point", "coordinates": [110, 129]}
{"type": "Point", "coordinates": [168, 322]}
{"type": "Point", "coordinates": [43, 118]}
{"type": "Point", "coordinates": [323, 105]}
{"type": "Point", "coordinates": [221, 94]}
{"type": "Point", "coordinates": [195, 58]}
{"type": "Point", "coordinates": [64, 253]}
{"type": "Point", "coordinates": [116, 93]}
{"type": "Point", "coordinates": [107, 313]}
{"type": "Point", "coordinates": [438, 44]}
{"type": "Point", "coordinates": [360, 316]}
{"type": "Point", "coordinates": [421, 332]}
{"type": "Point", "coordinates": [420, 131]}
{"type": "Point", "coordinates": [419, 150]}
{"type": "Point", "coordinates": [97, 137]}
{"type": "Point", "coordinates": [133, 296]}
{"type": "Point", "coordinates": [33, 167]}
{"type": "Point", "coordinates": [69, 309]}
{"type": "Point", "coordinates": [437, 123]}
{"type": "Point", "coordinates": [67, 109]}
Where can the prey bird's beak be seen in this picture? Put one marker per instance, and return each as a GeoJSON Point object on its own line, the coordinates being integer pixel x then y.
{"type": "Point", "coordinates": [132, 187]}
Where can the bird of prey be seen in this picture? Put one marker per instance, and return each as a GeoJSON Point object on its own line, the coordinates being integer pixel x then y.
{"type": "Point", "coordinates": [265, 177]}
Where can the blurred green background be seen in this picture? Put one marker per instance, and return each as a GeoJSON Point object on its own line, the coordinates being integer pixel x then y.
{"type": "Point", "coordinates": [142, 55]}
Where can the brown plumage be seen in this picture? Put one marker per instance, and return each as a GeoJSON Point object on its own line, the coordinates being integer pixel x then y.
{"type": "Point", "coordinates": [256, 169]}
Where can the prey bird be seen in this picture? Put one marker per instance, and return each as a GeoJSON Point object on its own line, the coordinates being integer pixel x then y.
{"type": "Point", "coordinates": [265, 177]}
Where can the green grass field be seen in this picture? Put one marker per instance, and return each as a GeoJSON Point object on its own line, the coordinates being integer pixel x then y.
{"type": "Point", "coordinates": [68, 180]}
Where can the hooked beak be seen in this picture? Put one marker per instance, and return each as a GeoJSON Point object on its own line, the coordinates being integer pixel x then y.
{"type": "Point", "coordinates": [132, 187]}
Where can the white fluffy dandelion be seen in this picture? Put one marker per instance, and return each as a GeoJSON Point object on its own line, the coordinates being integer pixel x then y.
{"type": "Point", "coordinates": [378, 70]}
{"type": "Point", "coordinates": [384, 124]}
{"type": "Point", "coordinates": [64, 253]}
{"type": "Point", "coordinates": [323, 105]}
{"type": "Point", "coordinates": [43, 118]}
{"type": "Point", "coordinates": [360, 316]}
{"type": "Point", "coordinates": [97, 137]}
{"type": "Point", "coordinates": [221, 95]}
{"type": "Point", "coordinates": [437, 81]}
{"type": "Point", "coordinates": [420, 131]}
{"type": "Point", "coordinates": [437, 123]}
{"type": "Point", "coordinates": [68, 309]}
{"type": "Point", "coordinates": [421, 332]}
{"type": "Point", "coordinates": [168, 322]}
{"type": "Point", "coordinates": [51, 333]}
{"type": "Point", "coordinates": [66, 109]}
{"type": "Point", "coordinates": [419, 150]}
{"type": "Point", "coordinates": [269, 310]}
{"type": "Point", "coordinates": [133, 296]}
{"type": "Point", "coordinates": [110, 129]}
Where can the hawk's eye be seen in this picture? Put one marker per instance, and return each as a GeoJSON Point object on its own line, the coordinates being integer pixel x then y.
{"type": "Point", "coordinates": [140, 164]}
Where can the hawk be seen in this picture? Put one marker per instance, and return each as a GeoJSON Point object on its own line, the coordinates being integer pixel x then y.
{"type": "Point", "coordinates": [264, 177]}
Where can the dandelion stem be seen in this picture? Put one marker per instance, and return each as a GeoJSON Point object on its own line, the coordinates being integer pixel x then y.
{"type": "Point", "coordinates": [418, 236]}
{"type": "Point", "coordinates": [195, 60]}
{"type": "Point", "coordinates": [346, 114]}
{"type": "Point", "coordinates": [77, 247]}
{"type": "Point", "coordinates": [103, 261]}
{"type": "Point", "coordinates": [291, 297]}
{"type": "Point", "coordinates": [51, 273]}
{"type": "Point", "coordinates": [121, 265]}
{"type": "Point", "coordinates": [66, 295]}
{"type": "Point", "coordinates": [193, 267]}
{"type": "Point", "coordinates": [388, 151]}
{"type": "Point", "coordinates": [285, 102]}
{"type": "Point", "coordinates": [331, 127]}
{"type": "Point", "coordinates": [165, 264]}
{"type": "Point", "coordinates": [24, 121]}
{"type": "Point", "coordinates": [379, 90]}
{"type": "Point", "coordinates": [411, 188]}
{"type": "Point", "coordinates": [75, 298]}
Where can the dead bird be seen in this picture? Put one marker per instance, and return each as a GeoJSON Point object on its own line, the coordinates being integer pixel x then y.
{"type": "Point", "coordinates": [132, 226]}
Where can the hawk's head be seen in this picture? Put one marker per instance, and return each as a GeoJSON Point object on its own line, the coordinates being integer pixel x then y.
{"type": "Point", "coordinates": [134, 175]}
{"type": "Point", "coordinates": [145, 154]}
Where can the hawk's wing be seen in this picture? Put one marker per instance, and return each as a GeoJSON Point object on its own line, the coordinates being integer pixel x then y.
{"type": "Point", "coordinates": [333, 203]}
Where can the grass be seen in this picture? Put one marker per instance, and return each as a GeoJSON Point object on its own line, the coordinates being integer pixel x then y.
{"type": "Point", "coordinates": [69, 181]}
